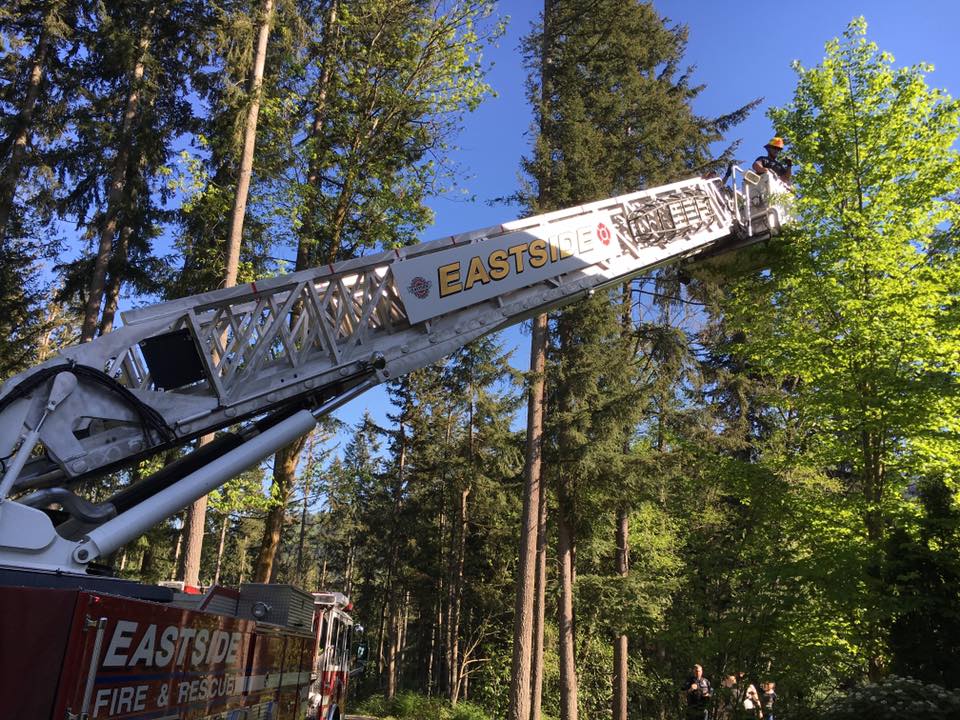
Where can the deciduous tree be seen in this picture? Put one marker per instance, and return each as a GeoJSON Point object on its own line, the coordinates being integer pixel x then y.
{"type": "Point", "coordinates": [856, 317]}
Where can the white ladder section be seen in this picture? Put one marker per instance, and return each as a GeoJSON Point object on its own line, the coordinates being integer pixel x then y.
{"type": "Point", "coordinates": [316, 338]}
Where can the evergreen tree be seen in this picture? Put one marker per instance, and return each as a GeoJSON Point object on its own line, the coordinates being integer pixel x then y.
{"type": "Point", "coordinates": [618, 118]}
{"type": "Point", "coordinates": [31, 123]}
{"type": "Point", "coordinates": [132, 108]}
{"type": "Point", "coordinates": [476, 377]}
{"type": "Point", "coordinates": [922, 573]}
{"type": "Point", "coordinates": [30, 102]}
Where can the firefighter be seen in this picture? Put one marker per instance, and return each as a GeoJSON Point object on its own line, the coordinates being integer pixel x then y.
{"type": "Point", "coordinates": [782, 168]}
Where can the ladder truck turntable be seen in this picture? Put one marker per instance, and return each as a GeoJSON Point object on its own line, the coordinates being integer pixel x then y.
{"type": "Point", "coordinates": [264, 361]}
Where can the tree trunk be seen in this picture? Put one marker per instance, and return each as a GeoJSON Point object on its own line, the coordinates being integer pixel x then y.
{"type": "Point", "coordinates": [22, 134]}
{"type": "Point", "coordinates": [391, 669]}
{"type": "Point", "coordinates": [235, 233]}
{"type": "Point", "coordinates": [198, 510]}
{"type": "Point", "coordinates": [566, 547]}
{"type": "Point", "coordinates": [445, 618]}
{"type": "Point", "coordinates": [520, 691]}
{"type": "Point", "coordinates": [456, 598]}
{"type": "Point", "coordinates": [402, 644]}
{"type": "Point", "coordinates": [526, 681]}
{"type": "Point", "coordinates": [307, 243]}
{"type": "Point", "coordinates": [115, 194]}
{"type": "Point", "coordinates": [621, 644]}
{"type": "Point", "coordinates": [220, 549]}
{"type": "Point", "coordinates": [339, 220]}
{"type": "Point", "coordinates": [871, 450]}
{"type": "Point", "coordinates": [441, 605]}
{"type": "Point", "coordinates": [147, 560]}
{"type": "Point", "coordinates": [620, 648]}
{"type": "Point", "coordinates": [117, 271]}
{"type": "Point", "coordinates": [348, 574]}
{"type": "Point", "coordinates": [284, 473]}
{"type": "Point", "coordinates": [179, 546]}
{"type": "Point", "coordinates": [188, 569]}
{"type": "Point", "coordinates": [568, 672]}
{"type": "Point", "coordinates": [380, 640]}
{"type": "Point", "coordinates": [242, 554]}
{"type": "Point", "coordinates": [392, 600]}
{"type": "Point", "coordinates": [434, 630]}
{"type": "Point", "coordinates": [112, 293]}
{"type": "Point", "coordinates": [303, 531]}
{"type": "Point", "coordinates": [539, 611]}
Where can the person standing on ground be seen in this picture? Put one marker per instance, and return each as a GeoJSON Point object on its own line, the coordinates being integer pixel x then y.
{"type": "Point", "coordinates": [728, 698]}
{"type": "Point", "coordinates": [751, 702]}
{"type": "Point", "coordinates": [698, 695]}
{"type": "Point", "coordinates": [769, 698]}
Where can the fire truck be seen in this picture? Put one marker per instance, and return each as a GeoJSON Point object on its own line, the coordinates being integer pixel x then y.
{"type": "Point", "coordinates": [259, 364]}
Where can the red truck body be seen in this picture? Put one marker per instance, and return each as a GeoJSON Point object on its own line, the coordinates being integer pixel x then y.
{"type": "Point", "coordinates": [81, 654]}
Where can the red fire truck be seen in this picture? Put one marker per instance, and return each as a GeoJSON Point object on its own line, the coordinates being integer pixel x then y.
{"type": "Point", "coordinates": [259, 364]}
{"type": "Point", "coordinates": [263, 651]}
{"type": "Point", "coordinates": [334, 656]}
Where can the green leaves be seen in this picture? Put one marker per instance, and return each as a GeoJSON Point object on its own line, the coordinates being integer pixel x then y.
{"type": "Point", "coordinates": [853, 320]}
{"type": "Point", "coordinates": [381, 95]}
{"type": "Point", "coordinates": [854, 303]}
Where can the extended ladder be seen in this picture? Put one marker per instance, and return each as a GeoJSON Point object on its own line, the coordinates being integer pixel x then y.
{"type": "Point", "coordinates": [312, 339]}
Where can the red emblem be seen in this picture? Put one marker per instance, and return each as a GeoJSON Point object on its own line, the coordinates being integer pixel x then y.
{"type": "Point", "coordinates": [603, 232]}
{"type": "Point", "coordinates": [420, 287]}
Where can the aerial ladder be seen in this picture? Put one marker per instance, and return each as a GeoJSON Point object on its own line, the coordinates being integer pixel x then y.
{"type": "Point", "coordinates": [262, 362]}
{"type": "Point", "coordinates": [269, 358]}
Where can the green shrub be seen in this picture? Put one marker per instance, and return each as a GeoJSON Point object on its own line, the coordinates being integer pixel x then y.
{"type": "Point", "coordinates": [410, 706]}
{"type": "Point", "coordinates": [375, 705]}
{"type": "Point", "coordinates": [897, 698]}
{"type": "Point", "coordinates": [468, 711]}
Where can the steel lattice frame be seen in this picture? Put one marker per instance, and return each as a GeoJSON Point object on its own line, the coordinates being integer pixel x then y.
{"type": "Point", "coordinates": [307, 336]}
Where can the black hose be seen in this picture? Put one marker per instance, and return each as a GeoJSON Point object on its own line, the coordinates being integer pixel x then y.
{"type": "Point", "coordinates": [149, 418]}
{"type": "Point", "coordinates": [75, 505]}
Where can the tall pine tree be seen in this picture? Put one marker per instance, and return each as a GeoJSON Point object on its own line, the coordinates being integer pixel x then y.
{"type": "Point", "coordinates": [618, 117]}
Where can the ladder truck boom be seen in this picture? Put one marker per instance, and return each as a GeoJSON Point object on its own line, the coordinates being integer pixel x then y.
{"type": "Point", "coordinates": [283, 351]}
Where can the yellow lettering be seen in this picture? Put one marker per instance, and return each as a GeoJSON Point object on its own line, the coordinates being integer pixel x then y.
{"type": "Point", "coordinates": [538, 253]}
{"type": "Point", "coordinates": [517, 252]}
{"type": "Point", "coordinates": [565, 242]}
{"type": "Point", "coordinates": [476, 273]}
{"type": "Point", "coordinates": [554, 252]}
{"type": "Point", "coordinates": [449, 279]}
{"type": "Point", "coordinates": [499, 265]}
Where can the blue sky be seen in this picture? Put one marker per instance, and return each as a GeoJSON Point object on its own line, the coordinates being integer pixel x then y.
{"type": "Point", "coordinates": [741, 51]}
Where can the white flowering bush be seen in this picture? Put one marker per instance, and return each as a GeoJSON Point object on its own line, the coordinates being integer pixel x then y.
{"type": "Point", "coordinates": [897, 698]}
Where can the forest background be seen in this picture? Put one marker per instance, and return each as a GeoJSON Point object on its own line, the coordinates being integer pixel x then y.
{"type": "Point", "coordinates": [752, 466]}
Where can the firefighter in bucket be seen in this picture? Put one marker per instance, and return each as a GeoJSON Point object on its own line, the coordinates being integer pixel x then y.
{"type": "Point", "coordinates": [773, 161]}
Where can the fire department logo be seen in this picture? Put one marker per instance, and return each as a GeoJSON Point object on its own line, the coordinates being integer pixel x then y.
{"type": "Point", "coordinates": [420, 287]}
{"type": "Point", "coordinates": [603, 232]}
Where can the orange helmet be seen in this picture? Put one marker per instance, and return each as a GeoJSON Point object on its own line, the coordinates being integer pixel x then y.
{"type": "Point", "coordinates": [776, 142]}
